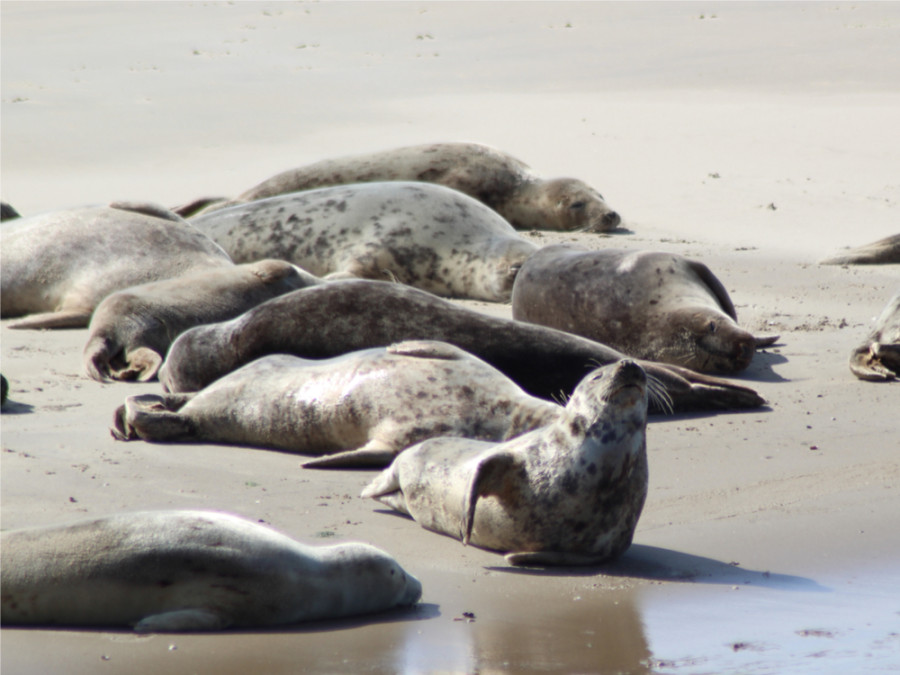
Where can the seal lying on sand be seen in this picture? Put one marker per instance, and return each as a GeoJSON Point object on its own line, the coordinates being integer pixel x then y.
{"type": "Point", "coordinates": [495, 178]}
{"type": "Point", "coordinates": [566, 494]}
{"type": "Point", "coordinates": [344, 316]}
{"type": "Point", "coordinates": [365, 406]}
{"type": "Point", "coordinates": [189, 571]}
{"type": "Point", "coordinates": [878, 358]}
{"type": "Point", "coordinates": [879, 252]}
{"type": "Point", "coordinates": [647, 304]}
{"type": "Point", "coordinates": [62, 264]}
{"type": "Point", "coordinates": [131, 330]}
{"type": "Point", "coordinates": [422, 235]}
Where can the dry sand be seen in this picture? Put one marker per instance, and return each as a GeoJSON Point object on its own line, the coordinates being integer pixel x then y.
{"type": "Point", "coordinates": [756, 137]}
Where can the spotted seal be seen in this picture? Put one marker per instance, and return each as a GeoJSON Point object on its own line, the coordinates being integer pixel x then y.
{"type": "Point", "coordinates": [58, 266]}
{"type": "Point", "coordinates": [343, 316]}
{"type": "Point", "coordinates": [878, 358]}
{"type": "Point", "coordinates": [426, 236]}
{"type": "Point", "coordinates": [883, 251]}
{"type": "Point", "coordinates": [648, 304]}
{"type": "Point", "coordinates": [495, 178]}
{"type": "Point", "coordinates": [359, 409]}
{"type": "Point", "coordinates": [162, 571]}
{"type": "Point", "coordinates": [131, 330]}
{"type": "Point", "coordinates": [568, 493]}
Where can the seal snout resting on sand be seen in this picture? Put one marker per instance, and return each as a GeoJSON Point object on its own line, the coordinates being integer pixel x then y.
{"type": "Point", "coordinates": [569, 493]}
{"type": "Point", "coordinates": [162, 571]}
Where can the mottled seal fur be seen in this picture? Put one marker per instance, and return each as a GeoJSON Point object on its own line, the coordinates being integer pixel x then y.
{"type": "Point", "coordinates": [131, 330]}
{"type": "Point", "coordinates": [648, 304]}
{"type": "Point", "coordinates": [565, 494]}
{"type": "Point", "coordinates": [495, 178]}
{"type": "Point", "coordinates": [162, 571]}
{"type": "Point", "coordinates": [361, 409]}
{"type": "Point", "coordinates": [426, 236]}
{"type": "Point", "coordinates": [878, 358]}
{"type": "Point", "coordinates": [59, 266]}
{"type": "Point", "coordinates": [344, 316]}
{"type": "Point", "coordinates": [881, 252]}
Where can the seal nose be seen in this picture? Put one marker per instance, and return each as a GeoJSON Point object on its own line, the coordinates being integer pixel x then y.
{"type": "Point", "coordinates": [611, 220]}
{"type": "Point", "coordinates": [630, 369]}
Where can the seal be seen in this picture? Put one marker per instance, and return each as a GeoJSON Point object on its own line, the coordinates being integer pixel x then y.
{"type": "Point", "coordinates": [878, 358]}
{"type": "Point", "coordinates": [58, 266]}
{"type": "Point", "coordinates": [426, 236]}
{"type": "Point", "coordinates": [4, 390]}
{"type": "Point", "coordinates": [131, 330]}
{"type": "Point", "coordinates": [569, 493]}
{"type": "Point", "coordinates": [881, 252]}
{"type": "Point", "coordinates": [343, 316]}
{"type": "Point", "coordinates": [495, 178]}
{"type": "Point", "coordinates": [360, 409]}
{"type": "Point", "coordinates": [648, 304]}
{"type": "Point", "coordinates": [162, 571]}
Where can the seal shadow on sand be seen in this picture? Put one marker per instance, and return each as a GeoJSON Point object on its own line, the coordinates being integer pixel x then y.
{"type": "Point", "coordinates": [760, 369]}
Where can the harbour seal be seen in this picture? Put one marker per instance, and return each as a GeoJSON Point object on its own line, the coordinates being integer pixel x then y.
{"type": "Point", "coordinates": [648, 304]}
{"type": "Point", "coordinates": [131, 330]}
{"type": "Point", "coordinates": [359, 409]}
{"type": "Point", "coordinates": [495, 178]}
{"type": "Point", "coordinates": [343, 316]}
{"type": "Point", "coordinates": [878, 358]}
{"type": "Point", "coordinates": [162, 571]}
{"type": "Point", "coordinates": [426, 236]}
{"type": "Point", "coordinates": [58, 266]}
{"type": "Point", "coordinates": [879, 252]}
{"type": "Point", "coordinates": [569, 493]}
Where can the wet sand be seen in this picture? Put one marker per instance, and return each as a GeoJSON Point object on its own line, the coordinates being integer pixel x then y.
{"type": "Point", "coordinates": [756, 137]}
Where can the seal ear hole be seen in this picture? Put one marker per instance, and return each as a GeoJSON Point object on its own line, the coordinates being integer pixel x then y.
{"type": "Point", "coordinates": [712, 327]}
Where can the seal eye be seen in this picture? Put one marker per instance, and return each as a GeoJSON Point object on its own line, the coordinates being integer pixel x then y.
{"type": "Point", "coordinates": [712, 327]}
{"type": "Point", "coordinates": [577, 205]}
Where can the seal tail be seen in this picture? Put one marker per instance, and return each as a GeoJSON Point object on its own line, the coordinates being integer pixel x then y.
{"type": "Point", "coordinates": [104, 360]}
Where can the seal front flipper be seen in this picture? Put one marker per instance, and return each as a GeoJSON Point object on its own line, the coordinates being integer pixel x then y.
{"type": "Point", "coordinates": [152, 418]}
{"type": "Point", "coordinates": [555, 558]}
{"type": "Point", "coordinates": [711, 281]}
{"type": "Point", "coordinates": [375, 453]}
{"type": "Point", "coordinates": [493, 475]}
{"type": "Point", "coordinates": [690, 390]}
{"type": "Point", "coordinates": [181, 620]}
{"type": "Point", "coordinates": [427, 349]}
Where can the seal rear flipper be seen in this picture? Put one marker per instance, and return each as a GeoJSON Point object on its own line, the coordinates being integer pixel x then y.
{"type": "Point", "coordinates": [690, 390]}
{"type": "Point", "coordinates": [866, 365]}
{"type": "Point", "coordinates": [147, 209]}
{"type": "Point", "coordinates": [556, 558]}
{"type": "Point", "coordinates": [427, 349]}
{"type": "Point", "coordinates": [181, 620]}
{"type": "Point", "coordinates": [70, 318]}
{"type": "Point", "coordinates": [153, 418]}
{"type": "Point", "coordinates": [493, 475]}
{"type": "Point", "coordinates": [200, 205]}
{"type": "Point", "coordinates": [373, 454]}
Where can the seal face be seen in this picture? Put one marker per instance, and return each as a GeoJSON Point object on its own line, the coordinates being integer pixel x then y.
{"type": "Point", "coordinates": [878, 358]}
{"type": "Point", "coordinates": [163, 571]}
{"type": "Point", "coordinates": [567, 493]}
{"type": "Point", "coordinates": [131, 330]}
{"type": "Point", "coordinates": [647, 304]}
{"type": "Point", "coordinates": [881, 252]}
{"type": "Point", "coordinates": [422, 235]}
{"type": "Point", "coordinates": [495, 178]}
{"type": "Point", "coordinates": [343, 316]}
{"type": "Point", "coordinates": [366, 406]}
{"type": "Point", "coordinates": [59, 266]}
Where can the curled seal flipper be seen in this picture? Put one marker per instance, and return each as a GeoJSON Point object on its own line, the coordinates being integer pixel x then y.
{"type": "Point", "coordinates": [152, 418]}
{"type": "Point", "coordinates": [491, 477]}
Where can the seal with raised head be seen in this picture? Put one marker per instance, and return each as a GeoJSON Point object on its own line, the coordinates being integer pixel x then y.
{"type": "Point", "coordinates": [426, 236]}
{"type": "Point", "coordinates": [648, 304]}
{"type": "Point", "coordinates": [569, 493]}
{"type": "Point", "coordinates": [131, 330]}
{"type": "Point", "coordinates": [343, 316]}
{"type": "Point", "coordinates": [878, 358]}
{"type": "Point", "coordinates": [359, 409]}
{"type": "Point", "coordinates": [495, 178]}
{"type": "Point", "coordinates": [881, 252]}
{"type": "Point", "coordinates": [162, 571]}
{"type": "Point", "coordinates": [58, 266]}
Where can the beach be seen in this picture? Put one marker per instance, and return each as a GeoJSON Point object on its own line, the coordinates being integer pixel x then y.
{"type": "Point", "coordinates": [757, 138]}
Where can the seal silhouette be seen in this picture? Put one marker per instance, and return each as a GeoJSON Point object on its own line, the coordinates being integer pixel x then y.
{"type": "Point", "coordinates": [57, 267]}
{"type": "Point", "coordinates": [878, 358]}
{"type": "Point", "coordinates": [163, 571]}
{"type": "Point", "coordinates": [569, 493]}
{"type": "Point", "coordinates": [131, 330]}
{"type": "Point", "coordinates": [343, 316]}
{"type": "Point", "coordinates": [495, 178]}
{"type": "Point", "coordinates": [648, 304]}
{"type": "Point", "coordinates": [426, 236]}
{"type": "Point", "coordinates": [359, 409]}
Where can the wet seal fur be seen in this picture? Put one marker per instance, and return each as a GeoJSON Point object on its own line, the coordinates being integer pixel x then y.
{"type": "Point", "coordinates": [881, 252]}
{"type": "Point", "coordinates": [648, 304]}
{"type": "Point", "coordinates": [360, 409]}
{"type": "Point", "coordinates": [58, 266]}
{"type": "Point", "coordinates": [163, 571]}
{"type": "Point", "coordinates": [495, 178]}
{"type": "Point", "coordinates": [426, 236]}
{"type": "Point", "coordinates": [569, 493]}
{"type": "Point", "coordinates": [131, 330]}
{"type": "Point", "coordinates": [878, 358]}
{"type": "Point", "coordinates": [343, 316]}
